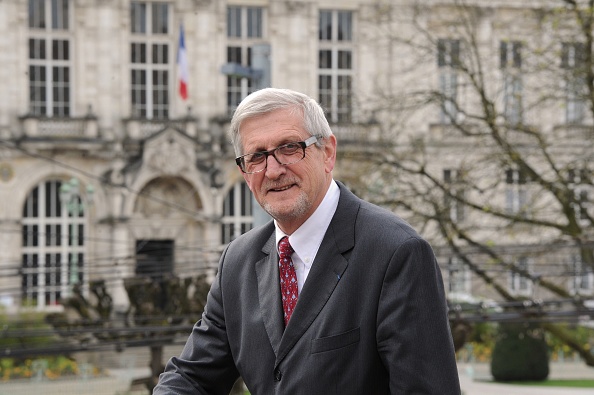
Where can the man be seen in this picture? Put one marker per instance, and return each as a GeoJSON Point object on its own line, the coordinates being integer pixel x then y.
{"type": "Point", "coordinates": [370, 313]}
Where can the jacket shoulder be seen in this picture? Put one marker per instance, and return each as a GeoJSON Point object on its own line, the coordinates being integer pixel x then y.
{"type": "Point", "coordinates": [370, 218]}
{"type": "Point", "coordinates": [255, 241]}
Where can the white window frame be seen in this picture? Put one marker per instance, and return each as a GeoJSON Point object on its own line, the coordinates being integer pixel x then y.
{"type": "Point", "coordinates": [49, 71]}
{"type": "Point", "coordinates": [516, 192]}
{"type": "Point", "coordinates": [237, 212]}
{"type": "Point", "coordinates": [575, 110]}
{"type": "Point", "coordinates": [456, 209]}
{"type": "Point", "coordinates": [448, 79]}
{"type": "Point", "coordinates": [511, 62]}
{"type": "Point", "coordinates": [245, 28]}
{"type": "Point", "coordinates": [512, 96]}
{"type": "Point", "coordinates": [518, 284]}
{"type": "Point", "coordinates": [458, 278]}
{"type": "Point", "coordinates": [151, 108]}
{"type": "Point", "coordinates": [51, 239]}
{"type": "Point", "coordinates": [582, 279]}
{"type": "Point", "coordinates": [581, 190]}
{"type": "Point", "coordinates": [575, 103]}
{"type": "Point", "coordinates": [335, 83]}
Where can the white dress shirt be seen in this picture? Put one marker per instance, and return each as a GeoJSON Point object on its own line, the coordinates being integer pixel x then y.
{"type": "Point", "coordinates": [306, 240]}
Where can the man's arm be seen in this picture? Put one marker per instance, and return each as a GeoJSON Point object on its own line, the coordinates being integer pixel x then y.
{"type": "Point", "coordinates": [413, 335]}
{"type": "Point", "coordinates": [205, 365]}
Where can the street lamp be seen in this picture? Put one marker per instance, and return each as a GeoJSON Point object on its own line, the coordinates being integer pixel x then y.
{"type": "Point", "coordinates": [72, 202]}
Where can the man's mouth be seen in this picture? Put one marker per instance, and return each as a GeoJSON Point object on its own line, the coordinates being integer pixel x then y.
{"type": "Point", "coordinates": [281, 189]}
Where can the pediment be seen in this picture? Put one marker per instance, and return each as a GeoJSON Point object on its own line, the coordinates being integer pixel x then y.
{"type": "Point", "coordinates": [169, 152]}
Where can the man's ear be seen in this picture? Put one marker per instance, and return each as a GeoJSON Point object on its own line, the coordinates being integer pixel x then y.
{"type": "Point", "coordinates": [329, 153]}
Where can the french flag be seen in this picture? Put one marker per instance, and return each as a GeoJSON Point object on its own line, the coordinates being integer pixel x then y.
{"type": "Point", "coordinates": [182, 65]}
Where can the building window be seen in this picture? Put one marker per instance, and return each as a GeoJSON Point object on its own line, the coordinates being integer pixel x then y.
{"type": "Point", "coordinates": [448, 60]}
{"type": "Point", "coordinates": [516, 193]}
{"type": "Point", "coordinates": [245, 27]}
{"type": "Point", "coordinates": [510, 63]}
{"type": "Point", "coordinates": [53, 254]}
{"type": "Point", "coordinates": [458, 277]}
{"type": "Point", "coordinates": [582, 276]}
{"type": "Point", "coordinates": [50, 58]}
{"type": "Point", "coordinates": [453, 195]}
{"type": "Point", "coordinates": [518, 282]}
{"type": "Point", "coordinates": [574, 63]}
{"type": "Point", "coordinates": [237, 212]}
{"type": "Point", "coordinates": [150, 59]}
{"type": "Point", "coordinates": [335, 64]}
{"type": "Point", "coordinates": [578, 183]}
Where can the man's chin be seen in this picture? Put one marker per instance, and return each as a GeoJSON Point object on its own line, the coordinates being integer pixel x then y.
{"type": "Point", "coordinates": [286, 211]}
{"type": "Point", "coordinates": [287, 208]}
{"type": "Point", "coordinates": [280, 210]}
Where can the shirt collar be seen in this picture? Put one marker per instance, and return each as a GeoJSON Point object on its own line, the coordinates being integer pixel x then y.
{"type": "Point", "coordinates": [306, 240]}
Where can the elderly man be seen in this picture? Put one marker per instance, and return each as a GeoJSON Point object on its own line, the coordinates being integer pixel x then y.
{"type": "Point", "coordinates": [334, 296]}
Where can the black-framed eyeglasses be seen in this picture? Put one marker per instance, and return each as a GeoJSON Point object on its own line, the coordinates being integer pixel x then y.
{"type": "Point", "coordinates": [286, 154]}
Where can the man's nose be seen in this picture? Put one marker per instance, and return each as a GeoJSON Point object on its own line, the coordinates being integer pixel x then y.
{"type": "Point", "coordinates": [273, 167]}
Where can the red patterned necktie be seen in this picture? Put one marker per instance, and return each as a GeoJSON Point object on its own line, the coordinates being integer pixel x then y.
{"type": "Point", "coordinates": [288, 278]}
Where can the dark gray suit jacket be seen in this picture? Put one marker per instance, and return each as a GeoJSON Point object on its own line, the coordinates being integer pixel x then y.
{"type": "Point", "coordinates": [371, 318]}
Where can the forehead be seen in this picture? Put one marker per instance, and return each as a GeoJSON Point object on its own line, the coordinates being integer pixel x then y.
{"type": "Point", "coordinates": [268, 130]}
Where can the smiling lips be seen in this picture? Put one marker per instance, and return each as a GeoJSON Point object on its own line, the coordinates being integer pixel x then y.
{"type": "Point", "coordinates": [279, 185]}
{"type": "Point", "coordinates": [281, 189]}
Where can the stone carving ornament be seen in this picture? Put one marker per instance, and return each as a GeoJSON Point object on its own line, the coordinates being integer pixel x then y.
{"type": "Point", "coordinates": [170, 158]}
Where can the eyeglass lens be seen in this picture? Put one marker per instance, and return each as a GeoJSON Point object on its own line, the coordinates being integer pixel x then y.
{"type": "Point", "coordinates": [286, 154]}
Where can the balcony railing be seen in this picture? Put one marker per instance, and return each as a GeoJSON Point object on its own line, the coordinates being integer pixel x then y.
{"type": "Point", "coordinates": [58, 127]}
{"type": "Point", "coordinates": [356, 133]}
{"type": "Point", "coordinates": [140, 129]}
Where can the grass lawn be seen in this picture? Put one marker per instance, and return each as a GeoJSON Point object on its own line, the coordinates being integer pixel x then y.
{"type": "Point", "coordinates": [574, 383]}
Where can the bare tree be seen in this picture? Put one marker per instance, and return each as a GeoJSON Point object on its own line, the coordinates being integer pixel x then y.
{"type": "Point", "coordinates": [487, 116]}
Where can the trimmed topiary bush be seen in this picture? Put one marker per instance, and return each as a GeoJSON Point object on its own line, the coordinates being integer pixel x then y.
{"type": "Point", "coordinates": [520, 354]}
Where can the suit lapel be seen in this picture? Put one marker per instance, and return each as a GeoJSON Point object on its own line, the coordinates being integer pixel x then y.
{"type": "Point", "coordinates": [269, 294]}
{"type": "Point", "coordinates": [326, 271]}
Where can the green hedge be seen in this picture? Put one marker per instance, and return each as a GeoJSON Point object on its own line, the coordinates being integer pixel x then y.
{"type": "Point", "coordinates": [520, 354]}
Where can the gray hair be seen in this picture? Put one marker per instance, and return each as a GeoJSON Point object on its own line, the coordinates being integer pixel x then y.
{"type": "Point", "coordinates": [268, 100]}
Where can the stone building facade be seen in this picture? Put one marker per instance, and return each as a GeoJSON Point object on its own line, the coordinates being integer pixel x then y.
{"type": "Point", "coordinates": [107, 172]}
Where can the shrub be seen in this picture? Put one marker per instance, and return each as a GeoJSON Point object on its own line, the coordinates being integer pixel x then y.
{"type": "Point", "coordinates": [50, 367]}
{"type": "Point", "coordinates": [520, 354]}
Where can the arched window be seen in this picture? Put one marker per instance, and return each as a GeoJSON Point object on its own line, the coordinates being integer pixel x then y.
{"type": "Point", "coordinates": [237, 212]}
{"type": "Point", "coordinates": [53, 250]}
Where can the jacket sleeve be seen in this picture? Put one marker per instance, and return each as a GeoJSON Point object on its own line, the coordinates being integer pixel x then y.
{"type": "Point", "coordinates": [205, 366]}
{"type": "Point", "coordinates": [413, 333]}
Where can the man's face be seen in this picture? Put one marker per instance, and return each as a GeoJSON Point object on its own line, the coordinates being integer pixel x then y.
{"type": "Point", "coordinates": [290, 194]}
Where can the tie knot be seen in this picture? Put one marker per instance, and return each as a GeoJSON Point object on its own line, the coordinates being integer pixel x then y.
{"type": "Point", "coordinates": [285, 249]}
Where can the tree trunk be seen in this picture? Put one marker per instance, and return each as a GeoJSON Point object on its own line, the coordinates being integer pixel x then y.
{"type": "Point", "coordinates": [566, 336]}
